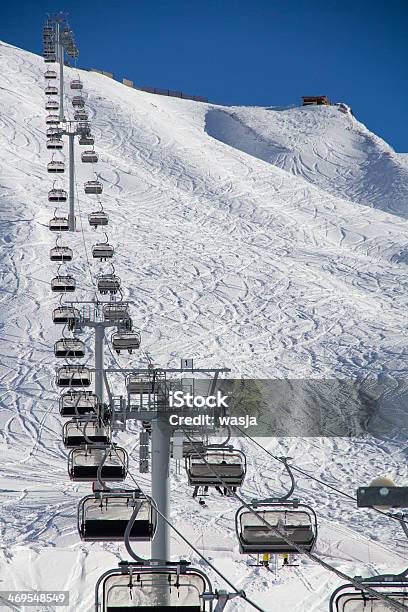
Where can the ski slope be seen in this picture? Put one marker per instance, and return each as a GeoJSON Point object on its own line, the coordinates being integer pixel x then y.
{"type": "Point", "coordinates": [270, 241]}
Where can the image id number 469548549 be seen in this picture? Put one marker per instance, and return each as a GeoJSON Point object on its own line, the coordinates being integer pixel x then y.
{"type": "Point", "coordinates": [35, 598]}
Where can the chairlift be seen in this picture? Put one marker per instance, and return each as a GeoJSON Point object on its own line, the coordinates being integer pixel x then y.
{"type": "Point", "coordinates": [69, 347]}
{"type": "Point", "coordinates": [57, 195]}
{"type": "Point", "coordinates": [84, 463]}
{"type": "Point", "coordinates": [216, 467]}
{"type": "Point", "coordinates": [80, 431]}
{"type": "Point", "coordinates": [51, 104]}
{"type": "Point", "coordinates": [83, 128]}
{"type": "Point", "coordinates": [101, 250]}
{"type": "Point", "coordinates": [89, 157]}
{"type": "Point", "coordinates": [126, 341]}
{"type": "Point", "coordinates": [78, 403]}
{"type": "Point", "coordinates": [54, 131]}
{"type": "Point", "coordinates": [104, 516]}
{"type": "Point", "coordinates": [50, 74]}
{"type": "Point", "coordinates": [52, 120]}
{"type": "Point", "coordinates": [86, 139]}
{"type": "Point", "coordinates": [56, 167]}
{"type": "Point", "coordinates": [140, 384]}
{"type": "Point", "coordinates": [59, 224]}
{"type": "Point", "coordinates": [51, 90]}
{"type": "Point", "coordinates": [115, 312]}
{"type": "Point", "coordinates": [108, 283]}
{"type": "Point", "coordinates": [50, 58]}
{"type": "Point", "coordinates": [76, 84]}
{"type": "Point", "coordinates": [78, 102]}
{"type": "Point", "coordinates": [81, 115]}
{"type": "Point", "coordinates": [169, 587]}
{"type": "Point", "coordinates": [94, 187]}
{"type": "Point", "coordinates": [55, 144]}
{"type": "Point", "coordinates": [64, 315]}
{"type": "Point", "coordinates": [297, 521]}
{"type": "Point", "coordinates": [61, 253]}
{"type": "Point", "coordinates": [98, 218]}
{"type": "Point", "coordinates": [73, 376]}
{"type": "Point", "coordinates": [63, 284]}
{"type": "Point", "coordinates": [349, 598]}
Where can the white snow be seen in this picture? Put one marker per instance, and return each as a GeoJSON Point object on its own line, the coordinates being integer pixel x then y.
{"type": "Point", "coordinates": [270, 241]}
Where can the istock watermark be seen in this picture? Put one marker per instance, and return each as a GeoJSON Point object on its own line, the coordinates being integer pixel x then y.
{"type": "Point", "coordinates": [179, 399]}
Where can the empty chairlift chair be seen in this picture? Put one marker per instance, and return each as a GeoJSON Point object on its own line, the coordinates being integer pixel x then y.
{"type": "Point", "coordinates": [217, 467]}
{"type": "Point", "coordinates": [59, 224]}
{"type": "Point", "coordinates": [116, 312]}
{"type": "Point", "coordinates": [348, 598]}
{"type": "Point", "coordinates": [93, 187]}
{"type": "Point", "coordinates": [89, 157]}
{"type": "Point", "coordinates": [102, 250]}
{"type": "Point", "coordinates": [139, 384]}
{"type": "Point", "coordinates": [66, 315]}
{"type": "Point", "coordinates": [69, 347]}
{"type": "Point", "coordinates": [86, 140]}
{"type": "Point", "coordinates": [50, 74]}
{"type": "Point", "coordinates": [51, 105]}
{"type": "Point", "coordinates": [78, 102]}
{"type": "Point", "coordinates": [63, 284]}
{"type": "Point", "coordinates": [76, 84]}
{"type": "Point", "coordinates": [296, 521]}
{"type": "Point", "coordinates": [84, 462]}
{"type": "Point", "coordinates": [51, 90]}
{"type": "Point", "coordinates": [78, 403]}
{"type": "Point", "coordinates": [55, 144]}
{"type": "Point", "coordinates": [53, 132]}
{"type": "Point", "coordinates": [108, 283]}
{"type": "Point", "coordinates": [57, 195]}
{"type": "Point", "coordinates": [73, 376]}
{"type": "Point", "coordinates": [104, 517]}
{"type": "Point", "coordinates": [56, 167]}
{"type": "Point", "coordinates": [168, 588]}
{"type": "Point", "coordinates": [61, 253]}
{"type": "Point", "coordinates": [52, 120]}
{"type": "Point", "coordinates": [80, 432]}
{"type": "Point", "coordinates": [126, 341]}
{"type": "Point", "coordinates": [80, 115]}
{"type": "Point", "coordinates": [98, 218]}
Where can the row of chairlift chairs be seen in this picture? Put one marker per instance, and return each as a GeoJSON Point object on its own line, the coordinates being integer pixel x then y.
{"type": "Point", "coordinates": [263, 527]}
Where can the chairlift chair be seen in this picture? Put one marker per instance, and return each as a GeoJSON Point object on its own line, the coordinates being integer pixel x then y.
{"type": "Point", "coordinates": [78, 102]}
{"type": "Point", "coordinates": [126, 341]}
{"type": "Point", "coordinates": [57, 195]}
{"type": "Point", "coordinates": [76, 84]}
{"type": "Point", "coordinates": [80, 115]}
{"type": "Point", "coordinates": [80, 431]}
{"type": "Point", "coordinates": [140, 384]}
{"type": "Point", "coordinates": [54, 131]}
{"type": "Point", "coordinates": [55, 144]}
{"type": "Point", "coordinates": [51, 90]}
{"type": "Point", "coordinates": [108, 283]}
{"type": "Point", "coordinates": [52, 120]}
{"type": "Point", "coordinates": [84, 462]}
{"type": "Point", "coordinates": [89, 157]}
{"type": "Point", "coordinates": [216, 467]}
{"type": "Point", "coordinates": [63, 284]}
{"type": "Point", "coordinates": [61, 253]}
{"type": "Point", "coordinates": [50, 58]}
{"type": "Point", "coordinates": [104, 516]}
{"type": "Point", "coordinates": [65, 315]}
{"type": "Point", "coordinates": [51, 104]}
{"type": "Point", "coordinates": [98, 218]}
{"type": "Point", "coordinates": [83, 128]}
{"type": "Point", "coordinates": [115, 312]}
{"type": "Point", "coordinates": [69, 347]}
{"type": "Point", "coordinates": [73, 376]}
{"type": "Point", "coordinates": [348, 598]}
{"type": "Point", "coordinates": [56, 167]}
{"type": "Point", "coordinates": [94, 187]}
{"type": "Point", "coordinates": [101, 250]}
{"type": "Point", "coordinates": [78, 403]}
{"type": "Point", "coordinates": [169, 587]}
{"type": "Point", "coordinates": [50, 74]}
{"type": "Point", "coordinates": [297, 521]}
{"type": "Point", "coordinates": [86, 139]}
{"type": "Point", "coordinates": [59, 224]}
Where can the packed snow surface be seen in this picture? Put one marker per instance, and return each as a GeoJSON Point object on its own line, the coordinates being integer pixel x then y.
{"type": "Point", "coordinates": [270, 241]}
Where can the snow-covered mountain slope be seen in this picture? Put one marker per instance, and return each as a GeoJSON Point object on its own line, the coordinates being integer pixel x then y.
{"type": "Point", "coordinates": [325, 145]}
{"type": "Point", "coordinates": [228, 259]}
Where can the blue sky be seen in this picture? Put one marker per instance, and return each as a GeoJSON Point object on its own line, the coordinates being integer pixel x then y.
{"type": "Point", "coordinates": [259, 52]}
